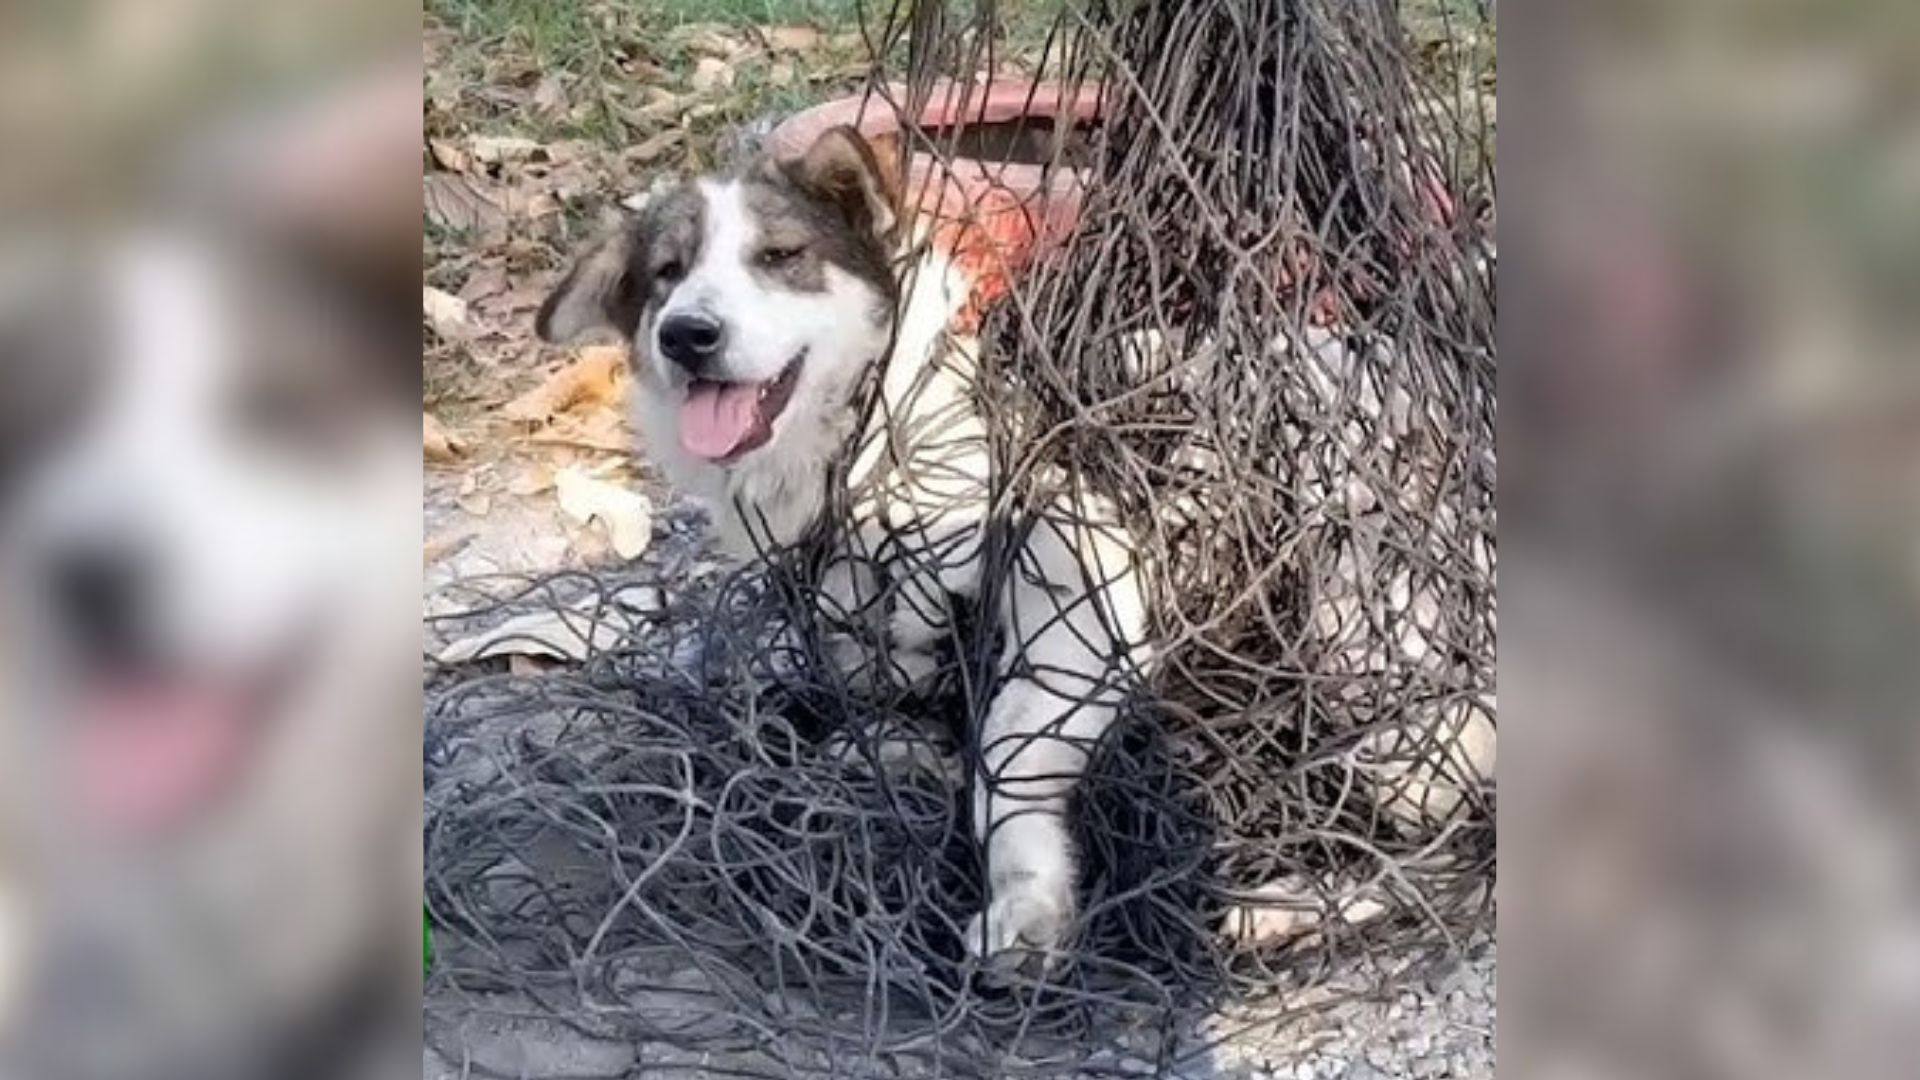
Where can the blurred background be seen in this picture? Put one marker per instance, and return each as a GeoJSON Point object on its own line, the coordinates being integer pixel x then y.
{"type": "Point", "coordinates": [1711, 492]}
{"type": "Point", "coordinates": [209, 492]}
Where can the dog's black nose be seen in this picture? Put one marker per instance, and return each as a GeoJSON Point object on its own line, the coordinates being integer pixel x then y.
{"type": "Point", "coordinates": [691, 341]}
{"type": "Point", "coordinates": [97, 592]}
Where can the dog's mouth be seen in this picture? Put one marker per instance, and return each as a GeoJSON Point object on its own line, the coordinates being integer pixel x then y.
{"type": "Point", "coordinates": [720, 421]}
{"type": "Point", "coordinates": [154, 749]}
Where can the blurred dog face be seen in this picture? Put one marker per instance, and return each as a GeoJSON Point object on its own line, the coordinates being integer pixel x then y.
{"type": "Point", "coordinates": [209, 503]}
{"type": "Point", "coordinates": [189, 443]}
{"type": "Point", "coordinates": [753, 303]}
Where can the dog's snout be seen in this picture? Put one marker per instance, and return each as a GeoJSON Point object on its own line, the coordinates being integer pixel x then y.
{"type": "Point", "coordinates": [97, 596]}
{"type": "Point", "coordinates": [692, 342]}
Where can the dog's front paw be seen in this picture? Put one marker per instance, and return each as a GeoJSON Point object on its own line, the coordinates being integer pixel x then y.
{"type": "Point", "coordinates": [1024, 926]}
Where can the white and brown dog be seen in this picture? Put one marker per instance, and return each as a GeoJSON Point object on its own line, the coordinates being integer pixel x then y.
{"type": "Point", "coordinates": [756, 305]}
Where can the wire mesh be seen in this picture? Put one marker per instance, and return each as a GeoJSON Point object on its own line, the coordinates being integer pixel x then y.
{"type": "Point", "coordinates": [1227, 345]}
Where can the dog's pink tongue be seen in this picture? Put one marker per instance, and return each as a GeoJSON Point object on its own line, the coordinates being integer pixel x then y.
{"type": "Point", "coordinates": [717, 418]}
{"type": "Point", "coordinates": [149, 755]}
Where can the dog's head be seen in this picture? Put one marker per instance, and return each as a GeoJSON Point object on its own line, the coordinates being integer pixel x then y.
{"type": "Point", "coordinates": [196, 443]}
{"type": "Point", "coordinates": [754, 302]}
{"type": "Point", "coordinates": [208, 512]}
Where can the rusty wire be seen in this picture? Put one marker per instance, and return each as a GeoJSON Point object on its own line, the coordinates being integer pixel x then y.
{"type": "Point", "coordinates": [1269, 341]}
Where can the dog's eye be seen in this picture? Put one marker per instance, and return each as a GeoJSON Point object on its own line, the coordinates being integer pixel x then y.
{"type": "Point", "coordinates": [670, 271]}
{"type": "Point", "coordinates": [778, 256]}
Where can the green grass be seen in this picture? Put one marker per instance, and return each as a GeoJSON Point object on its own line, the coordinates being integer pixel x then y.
{"type": "Point", "coordinates": [616, 51]}
{"type": "Point", "coordinates": [610, 46]}
{"type": "Point", "coordinates": [827, 14]}
{"type": "Point", "coordinates": [570, 33]}
{"type": "Point", "coordinates": [566, 31]}
{"type": "Point", "coordinates": [561, 33]}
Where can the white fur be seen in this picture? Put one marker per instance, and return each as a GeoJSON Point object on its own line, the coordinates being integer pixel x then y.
{"type": "Point", "coordinates": [766, 329]}
{"type": "Point", "coordinates": [1075, 620]}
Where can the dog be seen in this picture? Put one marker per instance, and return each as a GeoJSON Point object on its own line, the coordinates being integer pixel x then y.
{"type": "Point", "coordinates": [757, 305]}
{"type": "Point", "coordinates": [209, 688]}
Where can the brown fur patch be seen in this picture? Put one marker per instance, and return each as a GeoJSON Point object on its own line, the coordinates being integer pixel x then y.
{"type": "Point", "coordinates": [628, 271]}
{"type": "Point", "coordinates": [801, 235]}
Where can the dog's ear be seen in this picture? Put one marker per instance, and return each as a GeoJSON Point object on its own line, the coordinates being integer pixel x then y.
{"type": "Point", "coordinates": [861, 176]}
{"type": "Point", "coordinates": [598, 294]}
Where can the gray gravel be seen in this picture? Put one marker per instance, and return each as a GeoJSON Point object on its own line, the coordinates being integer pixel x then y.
{"type": "Point", "coordinates": [1440, 1027]}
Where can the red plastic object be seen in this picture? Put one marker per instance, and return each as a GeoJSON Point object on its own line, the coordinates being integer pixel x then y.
{"type": "Point", "coordinates": [991, 217]}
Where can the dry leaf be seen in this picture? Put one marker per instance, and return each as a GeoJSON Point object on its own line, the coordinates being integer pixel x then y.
{"type": "Point", "coordinates": [653, 147]}
{"type": "Point", "coordinates": [541, 204]}
{"type": "Point", "coordinates": [435, 42]}
{"type": "Point", "coordinates": [661, 105]}
{"type": "Point", "coordinates": [550, 96]}
{"type": "Point", "coordinates": [437, 444]}
{"type": "Point", "coordinates": [641, 69]}
{"type": "Point", "coordinates": [528, 666]}
{"type": "Point", "coordinates": [567, 178]}
{"type": "Point", "coordinates": [448, 155]}
{"type": "Point", "coordinates": [454, 201]}
{"type": "Point", "coordinates": [479, 505]}
{"type": "Point", "coordinates": [531, 481]}
{"type": "Point", "coordinates": [441, 546]}
{"type": "Point", "coordinates": [792, 38]}
{"type": "Point", "coordinates": [514, 301]}
{"type": "Point", "coordinates": [581, 442]}
{"type": "Point", "coordinates": [593, 378]}
{"type": "Point", "coordinates": [711, 73]}
{"type": "Point", "coordinates": [446, 313]}
{"type": "Point", "coordinates": [603, 428]}
{"type": "Point", "coordinates": [559, 634]}
{"type": "Point", "coordinates": [658, 97]}
{"type": "Point", "coordinates": [493, 149]}
{"type": "Point", "coordinates": [708, 39]}
{"type": "Point", "coordinates": [569, 151]}
{"type": "Point", "coordinates": [627, 515]}
{"type": "Point", "coordinates": [488, 281]}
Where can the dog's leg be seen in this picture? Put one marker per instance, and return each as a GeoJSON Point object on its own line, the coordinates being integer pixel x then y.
{"type": "Point", "coordinates": [916, 614]}
{"type": "Point", "coordinates": [1075, 624]}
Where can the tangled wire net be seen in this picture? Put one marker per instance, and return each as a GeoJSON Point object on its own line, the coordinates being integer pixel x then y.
{"type": "Point", "coordinates": [1264, 336]}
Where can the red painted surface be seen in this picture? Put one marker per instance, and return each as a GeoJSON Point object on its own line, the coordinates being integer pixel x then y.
{"type": "Point", "coordinates": [992, 218]}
